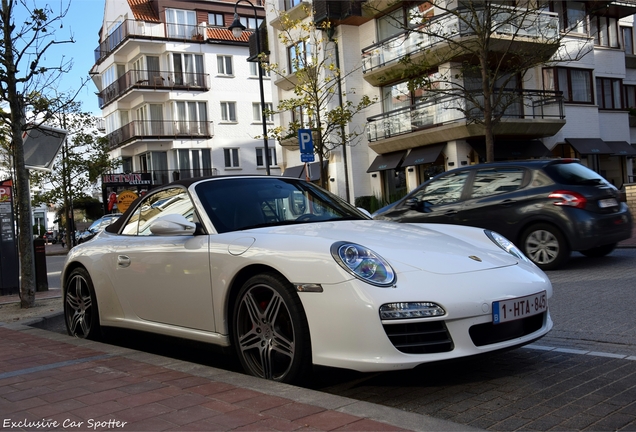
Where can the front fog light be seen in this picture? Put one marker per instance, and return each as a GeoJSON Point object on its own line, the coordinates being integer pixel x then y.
{"type": "Point", "coordinates": [410, 310]}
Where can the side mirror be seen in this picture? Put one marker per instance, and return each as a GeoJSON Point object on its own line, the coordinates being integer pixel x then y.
{"type": "Point", "coordinates": [172, 224]}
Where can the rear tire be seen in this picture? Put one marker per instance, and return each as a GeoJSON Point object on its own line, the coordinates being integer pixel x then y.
{"type": "Point", "coordinates": [545, 246]}
{"type": "Point", "coordinates": [80, 306]}
{"type": "Point", "coordinates": [599, 251]}
{"type": "Point", "coordinates": [270, 331]}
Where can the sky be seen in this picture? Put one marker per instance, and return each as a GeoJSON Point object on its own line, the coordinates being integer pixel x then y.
{"type": "Point", "coordinates": [83, 21]}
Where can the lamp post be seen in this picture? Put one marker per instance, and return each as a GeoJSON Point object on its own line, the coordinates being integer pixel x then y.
{"type": "Point", "coordinates": [237, 30]}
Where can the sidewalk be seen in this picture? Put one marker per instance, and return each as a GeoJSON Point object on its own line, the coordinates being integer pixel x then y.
{"type": "Point", "coordinates": [72, 384]}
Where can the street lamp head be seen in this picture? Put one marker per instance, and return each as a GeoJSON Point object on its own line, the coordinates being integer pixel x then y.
{"type": "Point", "coordinates": [236, 27]}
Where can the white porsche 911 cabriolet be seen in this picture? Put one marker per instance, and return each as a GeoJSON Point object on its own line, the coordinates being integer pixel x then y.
{"type": "Point", "coordinates": [291, 275]}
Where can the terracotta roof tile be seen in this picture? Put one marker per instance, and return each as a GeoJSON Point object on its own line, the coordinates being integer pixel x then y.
{"type": "Point", "coordinates": [143, 11]}
{"type": "Point", "coordinates": [219, 33]}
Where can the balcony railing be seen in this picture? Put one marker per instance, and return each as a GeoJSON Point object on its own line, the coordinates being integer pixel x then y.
{"type": "Point", "coordinates": [533, 104]}
{"type": "Point", "coordinates": [159, 129]}
{"type": "Point", "coordinates": [142, 29]}
{"type": "Point", "coordinates": [152, 80]}
{"type": "Point", "coordinates": [535, 25]}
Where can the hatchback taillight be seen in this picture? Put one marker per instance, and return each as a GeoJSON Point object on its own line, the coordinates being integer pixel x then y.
{"type": "Point", "coordinates": [568, 198]}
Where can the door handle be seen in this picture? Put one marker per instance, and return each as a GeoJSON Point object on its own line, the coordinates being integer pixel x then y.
{"type": "Point", "coordinates": [507, 202]}
{"type": "Point", "coordinates": [450, 213]}
{"type": "Point", "coordinates": [123, 261]}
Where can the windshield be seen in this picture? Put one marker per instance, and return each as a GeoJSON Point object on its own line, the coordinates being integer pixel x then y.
{"type": "Point", "coordinates": [242, 203]}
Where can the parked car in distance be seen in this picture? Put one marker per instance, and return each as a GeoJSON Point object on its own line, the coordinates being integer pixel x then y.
{"type": "Point", "coordinates": [547, 207]}
{"type": "Point", "coordinates": [49, 237]}
{"type": "Point", "coordinates": [288, 275]}
{"type": "Point", "coordinates": [96, 227]}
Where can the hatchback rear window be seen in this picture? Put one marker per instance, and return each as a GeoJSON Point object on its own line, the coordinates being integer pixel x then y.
{"type": "Point", "coordinates": [573, 174]}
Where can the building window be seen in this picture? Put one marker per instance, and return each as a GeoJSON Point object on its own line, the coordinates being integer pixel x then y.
{"type": "Point", "coordinates": [192, 118]}
{"type": "Point", "coordinates": [188, 69]}
{"type": "Point", "coordinates": [216, 19]}
{"type": "Point", "coordinates": [605, 31]}
{"type": "Point", "coordinates": [628, 40]}
{"type": "Point", "coordinates": [608, 93]}
{"type": "Point", "coordinates": [572, 17]}
{"type": "Point", "coordinates": [257, 114]}
{"type": "Point", "coordinates": [251, 23]}
{"type": "Point", "coordinates": [630, 96]}
{"type": "Point", "coordinates": [192, 163]}
{"type": "Point", "coordinates": [292, 3]}
{"type": "Point", "coordinates": [228, 111]}
{"type": "Point", "coordinates": [254, 70]}
{"type": "Point", "coordinates": [300, 117]}
{"type": "Point", "coordinates": [299, 56]}
{"type": "Point", "coordinates": [224, 65]}
{"type": "Point", "coordinates": [260, 157]}
{"type": "Point", "coordinates": [231, 157]}
{"type": "Point", "coordinates": [576, 84]}
{"type": "Point", "coordinates": [181, 23]}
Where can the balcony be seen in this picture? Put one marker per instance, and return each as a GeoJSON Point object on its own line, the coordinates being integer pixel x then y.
{"type": "Point", "coordinates": [159, 129]}
{"type": "Point", "coordinates": [150, 31]}
{"type": "Point", "coordinates": [529, 114]}
{"type": "Point", "coordinates": [161, 177]}
{"type": "Point", "coordinates": [152, 80]}
{"type": "Point", "coordinates": [380, 62]}
{"type": "Point", "coordinates": [341, 12]}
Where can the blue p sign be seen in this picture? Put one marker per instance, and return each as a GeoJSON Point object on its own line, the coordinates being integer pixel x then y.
{"type": "Point", "coordinates": [305, 141]}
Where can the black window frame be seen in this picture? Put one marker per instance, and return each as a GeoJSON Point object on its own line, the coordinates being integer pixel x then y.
{"type": "Point", "coordinates": [567, 88]}
{"type": "Point", "coordinates": [604, 88]}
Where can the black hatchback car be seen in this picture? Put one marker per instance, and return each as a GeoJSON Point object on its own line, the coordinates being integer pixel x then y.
{"type": "Point", "coordinates": [548, 208]}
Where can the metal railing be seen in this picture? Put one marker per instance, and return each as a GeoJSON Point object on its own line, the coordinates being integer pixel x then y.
{"type": "Point", "coordinates": [159, 129]}
{"type": "Point", "coordinates": [533, 104]}
{"type": "Point", "coordinates": [142, 29]}
{"type": "Point", "coordinates": [536, 25]}
{"type": "Point", "coordinates": [152, 80]}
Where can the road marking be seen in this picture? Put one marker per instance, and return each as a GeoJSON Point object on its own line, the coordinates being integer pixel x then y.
{"type": "Point", "coordinates": [580, 352]}
{"type": "Point", "coordinates": [52, 366]}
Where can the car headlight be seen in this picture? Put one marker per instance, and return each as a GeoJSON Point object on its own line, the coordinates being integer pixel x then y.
{"type": "Point", "coordinates": [363, 263]}
{"type": "Point", "coordinates": [506, 245]}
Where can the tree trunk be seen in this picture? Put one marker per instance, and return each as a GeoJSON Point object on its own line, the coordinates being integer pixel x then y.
{"type": "Point", "coordinates": [23, 195]}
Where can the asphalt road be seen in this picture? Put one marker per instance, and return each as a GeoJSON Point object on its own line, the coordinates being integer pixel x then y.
{"type": "Point", "coordinates": [582, 376]}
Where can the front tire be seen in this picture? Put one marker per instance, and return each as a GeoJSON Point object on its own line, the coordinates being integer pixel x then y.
{"type": "Point", "coordinates": [545, 246]}
{"type": "Point", "coordinates": [80, 306]}
{"type": "Point", "coordinates": [270, 331]}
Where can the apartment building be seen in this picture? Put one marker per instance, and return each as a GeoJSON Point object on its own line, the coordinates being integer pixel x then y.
{"type": "Point", "coordinates": [178, 97]}
{"type": "Point", "coordinates": [578, 108]}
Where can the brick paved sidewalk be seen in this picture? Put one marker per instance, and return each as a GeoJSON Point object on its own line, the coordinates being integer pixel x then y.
{"type": "Point", "coordinates": [71, 384]}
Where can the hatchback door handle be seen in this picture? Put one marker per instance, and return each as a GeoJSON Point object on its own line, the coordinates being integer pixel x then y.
{"type": "Point", "coordinates": [508, 202]}
{"type": "Point", "coordinates": [450, 213]}
{"type": "Point", "coordinates": [123, 261]}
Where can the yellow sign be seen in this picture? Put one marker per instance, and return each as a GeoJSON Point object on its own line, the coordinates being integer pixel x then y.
{"type": "Point", "coordinates": [125, 199]}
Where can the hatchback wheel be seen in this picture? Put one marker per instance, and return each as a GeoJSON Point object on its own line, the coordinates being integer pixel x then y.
{"type": "Point", "coordinates": [599, 251]}
{"type": "Point", "coordinates": [545, 246]}
{"type": "Point", "coordinates": [80, 306]}
{"type": "Point", "coordinates": [270, 331]}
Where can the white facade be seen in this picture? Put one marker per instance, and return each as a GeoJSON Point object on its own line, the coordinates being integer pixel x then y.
{"type": "Point", "coordinates": [178, 96]}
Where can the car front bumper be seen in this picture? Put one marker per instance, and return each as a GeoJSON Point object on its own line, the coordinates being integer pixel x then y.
{"type": "Point", "coordinates": [347, 332]}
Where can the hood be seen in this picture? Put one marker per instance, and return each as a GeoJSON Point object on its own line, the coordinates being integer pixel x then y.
{"type": "Point", "coordinates": [435, 248]}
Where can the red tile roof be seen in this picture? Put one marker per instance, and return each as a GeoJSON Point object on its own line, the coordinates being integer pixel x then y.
{"type": "Point", "coordinates": [143, 11]}
{"type": "Point", "coordinates": [220, 33]}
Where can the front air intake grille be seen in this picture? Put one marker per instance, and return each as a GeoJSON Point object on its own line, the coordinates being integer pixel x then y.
{"type": "Point", "coordinates": [420, 338]}
{"type": "Point", "coordinates": [489, 333]}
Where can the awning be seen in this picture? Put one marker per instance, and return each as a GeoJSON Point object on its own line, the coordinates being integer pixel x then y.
{"type": "Point", "coordinates": [587, 146]}
{"type": "Point", "coordinates": [423, 155]}
{"type": "Point", "coordinates": [298, 171]}
{"type": "Point", "coordinates": [621, 148]}
{"type": "Point", "coordinates": [387, 161]}
{"type": "Point", "coordinates": [504, 150]}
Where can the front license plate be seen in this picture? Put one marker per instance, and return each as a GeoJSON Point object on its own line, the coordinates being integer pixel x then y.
{"type": "Point", "coordinates": [608, 202]}
{"type": "Point", "coordinates": [520, 307]}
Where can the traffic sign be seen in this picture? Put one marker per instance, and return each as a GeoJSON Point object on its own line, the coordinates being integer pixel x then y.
{"type": "Point", "coordinates": [306, 157]}
{"type": "Point", "coordinates": [305, 141]}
